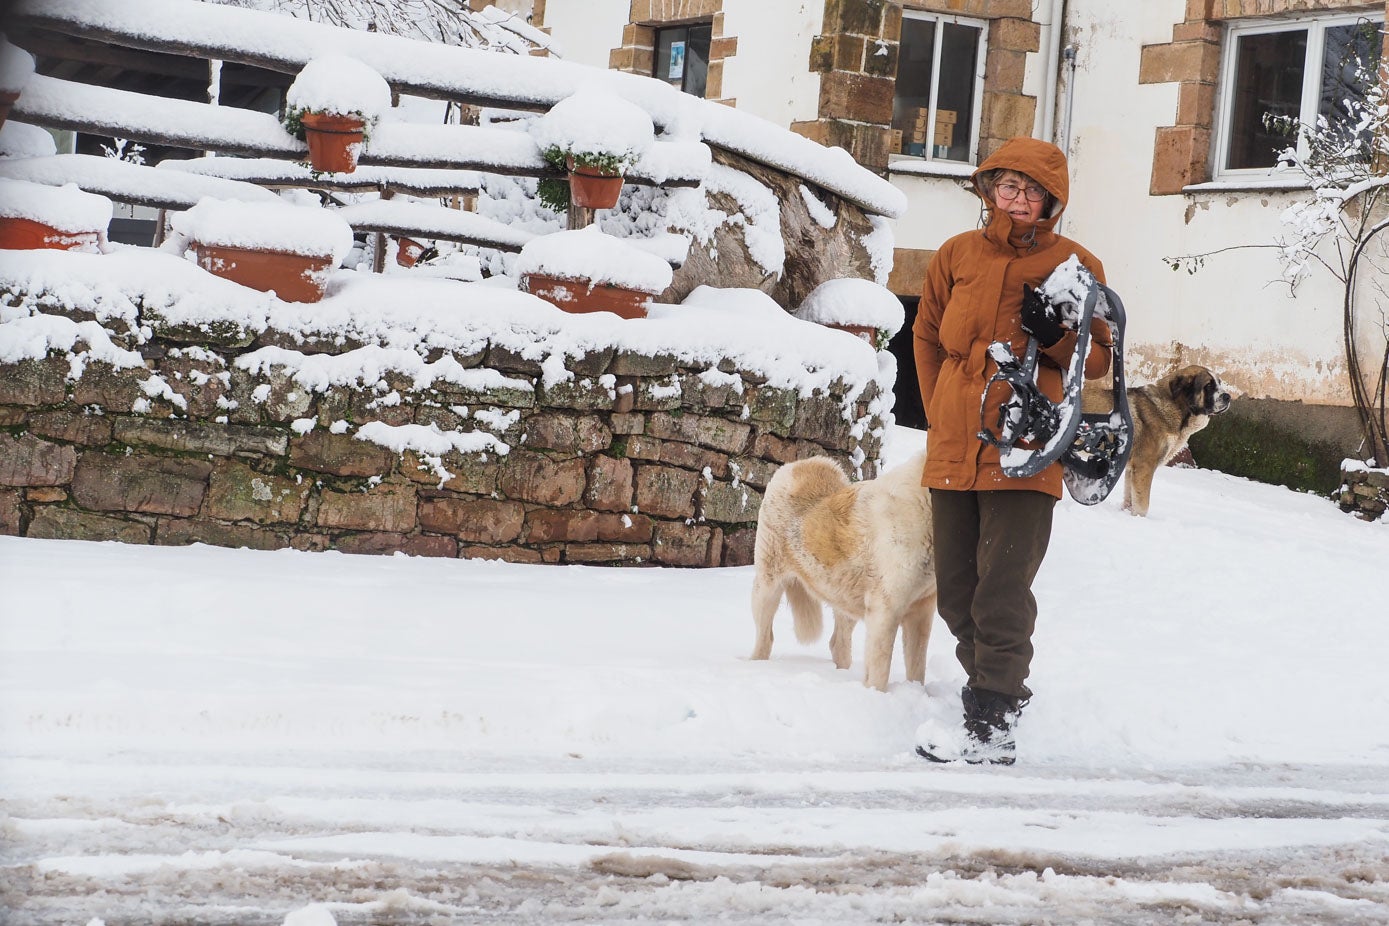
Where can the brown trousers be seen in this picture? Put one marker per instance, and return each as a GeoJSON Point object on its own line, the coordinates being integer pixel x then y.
{"type": "Point", "coordinates": [988, 548]}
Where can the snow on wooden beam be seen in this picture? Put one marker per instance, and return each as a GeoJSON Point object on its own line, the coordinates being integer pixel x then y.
{"type": "Point", "coordinates": [417, 220]}
{"type": "Point", "coordinates": [62, 104]}
{"type": "Point", "coordinates": [276, 174]}
{"type": "Point", "coordinates": [130, 183]}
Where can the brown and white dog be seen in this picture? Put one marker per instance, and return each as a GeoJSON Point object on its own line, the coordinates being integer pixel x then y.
{"type": "Point", "coordinates": [1165, 415]}
{"type": "Point", "coordinates": [863, 548]}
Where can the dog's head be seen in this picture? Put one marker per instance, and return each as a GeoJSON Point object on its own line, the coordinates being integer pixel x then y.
{"type": "Point", "coordinates": [1200, 392]}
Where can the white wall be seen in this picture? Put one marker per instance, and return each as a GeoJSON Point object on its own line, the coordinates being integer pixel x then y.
{"type": "Point", "coordinates": [587, 30]}
{"type": "Point", "coordinates": [1228, 315]}
{"type": "Point", "coordinates": [770, 76]}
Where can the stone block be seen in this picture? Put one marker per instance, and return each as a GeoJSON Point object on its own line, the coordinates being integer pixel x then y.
{"type": "Point", "coordinates": [510, 392]}
{"type": "Point", "coordinates": [386, 506]}
{"type": "Point", "coordinates": [595, 553]}
{"type": "Point", "coordinates": [860, 17]}
{"type": "Point", "coordinates": [1196, 104]}
{"type": "Point", "coordinates": [141, 483]}
{"type": "Point", "coordinates": [581, 394]}
{"type": "Point", "coordinates": [627, 423]}
{"type": "Point", "coordinates": [547, 525]}
{"type": "Point", "coordinates": [673, 427]}
{"type": "Point", "coordinates": [470, 474]}
{"type": "Point", "coordinates": [666, 492]}
{"type": "Point", "coordinates": [385, 544]}
{"type": "Point", "coordinates": [221, 333]}
{"type": "Point", "coordinates": [688, 456]}
{"type": "Point", "coordinates": [1015, 34]}
{"type": "Point", "coordinates": [772, 407]}
{"type": "Point", "coordinates": [178, 532]}
{"type": "Point", "coordinates": [771, 447]}
{"type": "Point", "coordinates": [593, 363]}
{"type": "Point", "coordinates": [483, 521]}
{"type": "Point", "coordinates": [729, 504]}
{"type": "Point", "coordinates": [738, 546]}
{"type": "Point", "coordinates": [624, 528]}
{"type": "Point", "coordinates": [339, 455]}
{"type": "Point", "coordinates": [53, 523]}
{"type": "Point", "coordinates": [722, 434]}
{"type": "Point", "coordinates": [509, 361]}
{"type": "Point", "coordinates": [643, 447]}
{"type": "Point", "coordinates": [1180, 157]}
{"type": "Point", "coordinates": [663, 393]}
{"type": "Point", "coordinates": [221, 440]}
{"type": "Point", "coordinates": [752, 470]}
{"type": "Point", "coordinates": [820, 418]}
{"type": "Point", "coordinates": [31, 461]}
{"type": "Point", "coordinates": [857, 97]}
{"type": "Point", "coordinates": [609, 485]}
{"type": "Point", "coordinates": [534, 477]}
{"type": "Point", "coordinates": [678, 544]}
{"type": "Point", "coordinates": [1179, 61]}
{"type": "Point", "coordinates": [236, 492]}
{"type": "Point", "coordinates": [881, 57]}
{"type": "Point", "coordinates": [200, 381]}
{"type": "Point", "coordinates": [11, 514]}
{"type": "Point", "coordinates": [567, 433]}
{"type": "Point", "coordinates": [501, 554]}
{"type": "Point", "coordinates": [34, 382]}
{"type": "Point", "coordinates": [74, 427]}
{"type": "Point", "coordinates": [45, 495]}
{"type": "Point", "coordinates": [107, 387]}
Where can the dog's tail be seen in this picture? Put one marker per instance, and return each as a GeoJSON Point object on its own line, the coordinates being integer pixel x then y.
{"type": "Point", "coordinates": [806, 608]}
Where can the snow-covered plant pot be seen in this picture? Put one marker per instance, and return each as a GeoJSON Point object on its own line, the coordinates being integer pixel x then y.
{"type": "Point", "coordinates": [860, 307]}
{"type": "Point", "coordinates": [589, 271]}
{"type": "Point", "coordinates": [596, 136]}
{"type": "Point", "coordinates": [408, 251]}
{"type": "Point", "coordinates": [332, 105]}
{"type": "Point", "coordinates": [34, 215]}
{"type": "Point", "coordinates": [16, 67]}
{"type": "Point", "coordinates": [273, 247]}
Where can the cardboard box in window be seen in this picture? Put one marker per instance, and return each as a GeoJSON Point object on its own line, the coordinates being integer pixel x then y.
{"type": "Point", "coordinates": [945, 134]}
{"type": "Point", "coordinates": [895, 142]}
{"type": "Point", "coordinates": [946, 116]}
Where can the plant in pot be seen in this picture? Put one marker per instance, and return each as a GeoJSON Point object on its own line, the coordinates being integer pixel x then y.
{"type": "Point", "coordinates": [16, 67]}
{"type": "Point", "coordinates": [589, 271]}
{"type": "Point", "coordinates": [595, 136]}
{"type": "Point", "coordinates": [860, 307]}
{"type": "Point", "coordinates": [273, 247]}
{"type": "Point", "coordinates": [332, 106]}
{"type": "Point", "coordinates": [35, 215]}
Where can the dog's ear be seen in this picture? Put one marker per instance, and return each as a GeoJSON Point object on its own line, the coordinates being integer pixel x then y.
{"type": "Point", "coordinates": [1180, 387]}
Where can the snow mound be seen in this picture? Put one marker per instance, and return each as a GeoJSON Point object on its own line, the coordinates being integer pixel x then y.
{"type": "Point", "coordinates": [590, 254]}
{"type": "Point", "coordinates": [308, 231]}
{"type": "Point", "coordinates": [65, 208]}
{"type": "Point", "coordinates": [853, 302]}
{"type": "Point", "coordinates": [339, 84]}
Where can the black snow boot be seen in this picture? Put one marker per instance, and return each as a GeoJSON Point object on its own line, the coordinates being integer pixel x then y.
{"type": "Point", "coordinates": [989, 720]}
{"type": "Point", "coordinates": [988, 730]}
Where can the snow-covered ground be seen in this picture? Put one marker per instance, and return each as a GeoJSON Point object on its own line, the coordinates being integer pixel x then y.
{"type": "Point", "coordinates": [200, 735]}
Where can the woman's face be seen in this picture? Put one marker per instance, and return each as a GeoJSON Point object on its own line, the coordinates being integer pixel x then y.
{"type": "Point", "coordinates": [1020, 208]}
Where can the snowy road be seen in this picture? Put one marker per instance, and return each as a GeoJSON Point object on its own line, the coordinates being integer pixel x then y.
{"type": "Point", "coordinates": [428, 843]}
{"type": "Point", "coordinates": [206, 736]}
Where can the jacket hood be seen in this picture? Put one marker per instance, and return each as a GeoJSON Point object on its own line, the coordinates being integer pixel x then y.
{"type": "Point", "coordinates": [1040, 160]}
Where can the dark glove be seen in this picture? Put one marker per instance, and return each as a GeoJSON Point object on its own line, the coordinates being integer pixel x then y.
{"type": "Point", "coordinates": [1039, 318]}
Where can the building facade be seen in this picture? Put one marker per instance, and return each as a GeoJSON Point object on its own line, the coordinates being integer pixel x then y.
{"type": "Point", "coordinates": [1158, 103]}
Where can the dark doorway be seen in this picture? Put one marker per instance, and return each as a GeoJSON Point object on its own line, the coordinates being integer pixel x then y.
{"type": "Point", "coordinates": [907, 410]}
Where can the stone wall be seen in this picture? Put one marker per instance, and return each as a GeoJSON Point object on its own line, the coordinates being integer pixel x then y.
{"type": "Point", "coordinates": [1364, 491]}
{"type": "Point", "coordinates": [633, 459]}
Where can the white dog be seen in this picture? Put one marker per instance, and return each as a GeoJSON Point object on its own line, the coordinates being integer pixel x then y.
{"type": "Point", "coordinates": [864, 548]}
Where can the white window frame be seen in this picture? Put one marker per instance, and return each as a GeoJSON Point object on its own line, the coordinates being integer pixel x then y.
{"type": "Point", "coordinates": [1315, 27]}
{"type": "Point", "coordinates": [977, 112]}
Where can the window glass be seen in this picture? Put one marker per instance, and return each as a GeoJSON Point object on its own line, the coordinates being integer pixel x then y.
{"type": "Point", "coordinates": [1350, 52]}
{"type": "Point", "coordinates": [937, 82]}
{"type": "Point", "coordinates": [1268, 79]}
{"type": "Point", "coordinates": [682, 56]}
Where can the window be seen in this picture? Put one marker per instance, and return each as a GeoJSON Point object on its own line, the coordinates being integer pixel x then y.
{"type": "Point", "coordinates": [1289, 71]}
{"type": "Point", "coordinates": [940, 83]}
{"type": "Point", "coordinates": [682, 56]}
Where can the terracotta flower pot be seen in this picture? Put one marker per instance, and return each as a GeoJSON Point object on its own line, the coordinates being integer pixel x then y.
{"type": "Point", "coordinates": [578, 297]}
{"type": "Point", "coordinates": [7, 101]}
{"type": "Point", "coordinates": [866, 332]}
{"type": "Point", "coordinates": [407, 251]}
{"type": "Point", "coordinates": [334, 141]}
{"type": "Point", "coordinates": [292, 277]}
{"type": "Point", "coordinates": [26, 235]}
{"type": "Point", "coordinates": [591, 188]}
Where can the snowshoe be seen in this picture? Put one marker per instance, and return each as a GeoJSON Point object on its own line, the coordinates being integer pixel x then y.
{"type": "Point", "coordinates": [1032, 431]}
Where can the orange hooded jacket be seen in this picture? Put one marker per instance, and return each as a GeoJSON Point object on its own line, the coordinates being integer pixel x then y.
{"type": "Point", "coordinates": [973, 296]}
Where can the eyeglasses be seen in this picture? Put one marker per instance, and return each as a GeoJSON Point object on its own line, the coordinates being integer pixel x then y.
{"type": "Point", "coordinates": [1010, 191]}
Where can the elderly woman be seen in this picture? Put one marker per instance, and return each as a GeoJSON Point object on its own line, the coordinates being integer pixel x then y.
{"type": "Point", "coordinates": [991, 531]}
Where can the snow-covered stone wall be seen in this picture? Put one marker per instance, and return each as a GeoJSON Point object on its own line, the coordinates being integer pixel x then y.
{"type": "Point", "coordinates": [145, 401]}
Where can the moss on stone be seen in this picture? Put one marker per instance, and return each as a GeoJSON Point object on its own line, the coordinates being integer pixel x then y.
{"type": "Point", "coordinates": [1266, 452]}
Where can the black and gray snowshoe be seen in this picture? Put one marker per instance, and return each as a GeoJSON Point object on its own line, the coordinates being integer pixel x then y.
{"type": "Point", "coordinates": [1032, 431]}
